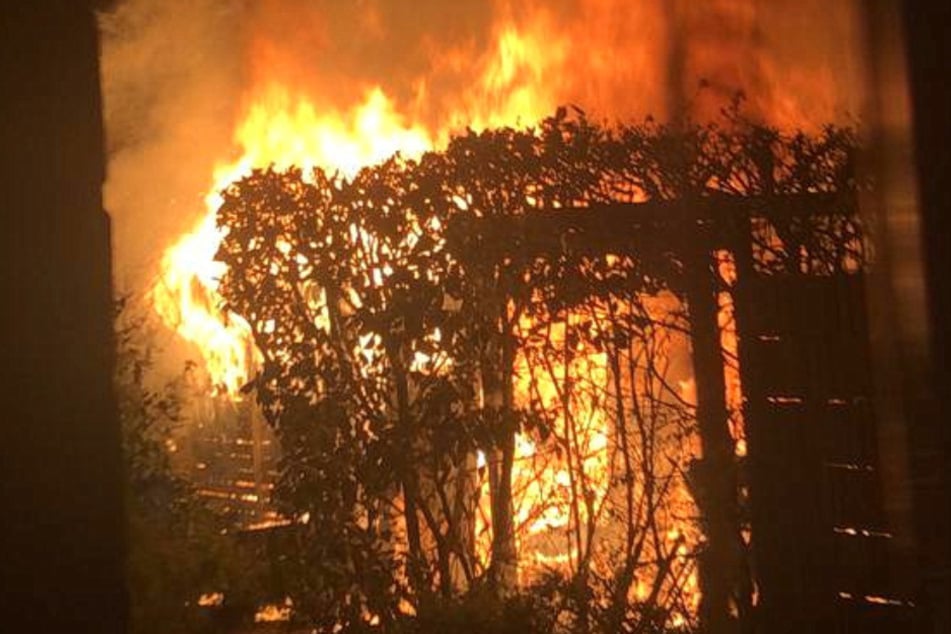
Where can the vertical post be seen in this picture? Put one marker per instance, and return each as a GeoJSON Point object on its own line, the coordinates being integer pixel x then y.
{"type": "Point", "coordinates": [908, 290]}
{"type": "Point", "coordinates": [257, 458]}
{"type": "Point", "coordinates": [715, 473]}
{"type": "Point", "coordinates": [61, 559]}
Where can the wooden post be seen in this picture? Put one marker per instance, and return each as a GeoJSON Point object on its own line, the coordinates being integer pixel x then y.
{"type": "Point", "coordinates": [258, 436]}
{"type": "Point", "coordinates": [714, 477]}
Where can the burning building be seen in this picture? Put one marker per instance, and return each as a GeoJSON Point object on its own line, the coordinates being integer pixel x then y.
{"type": "Point", "coordinates": [289, 86]}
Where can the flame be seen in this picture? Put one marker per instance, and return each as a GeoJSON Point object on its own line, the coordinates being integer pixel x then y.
{"type": "Point", "coordinates": [282, 130]}
{"type": "Point", "coordinates": [185, 298]}
{"type": "Point", "coordinates": [533, 64]}
{"type": "Point", "coordinates": [536, 59]}
{"type": "Point", "coordinates": [283, 126]}
{"type": "Point", "coordinates": [279, 129]}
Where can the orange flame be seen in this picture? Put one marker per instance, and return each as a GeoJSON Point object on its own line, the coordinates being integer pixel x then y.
{"type": "Point", "coordinates": [599, 54]}
{"type": "Point", "coordinates": [282, 126]}
{"type": "Point", "coordinates": [282, 130]}
{"type": "Point", "coordinates": [532, 65]}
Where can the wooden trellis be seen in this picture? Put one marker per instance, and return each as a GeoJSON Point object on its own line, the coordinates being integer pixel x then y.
{"type": "Point", "coordinates": [819, 554]}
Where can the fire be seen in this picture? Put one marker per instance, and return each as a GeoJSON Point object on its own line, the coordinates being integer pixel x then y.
{"type": "Point", "coordinates": [536, 59]}
{"type": "Point", "coordinates": [283, 126]}
{"type": "Point", "coordinates": [282, 130]}
{"type": "Point", "coordinates": [186, 300]}
{"type": "Point", "coordinates": [530, 68]}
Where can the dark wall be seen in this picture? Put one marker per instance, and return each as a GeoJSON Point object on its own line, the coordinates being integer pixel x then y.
{"type": "Point", "coordinates": [61, 526]}
{"type": "Point", "coordinates": [928, 42]}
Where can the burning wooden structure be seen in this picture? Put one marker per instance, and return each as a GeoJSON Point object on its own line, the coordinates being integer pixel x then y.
{"type": "Point", "coordinates": [808, 487]}
{"type": "Point", "coordinates": [229, 454]}
{"type": "Point", "coordinates": [742, 222]}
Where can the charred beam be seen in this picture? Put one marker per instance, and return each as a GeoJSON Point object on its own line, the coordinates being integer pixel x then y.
{"type": "Point", "coordinates": [649, 231]}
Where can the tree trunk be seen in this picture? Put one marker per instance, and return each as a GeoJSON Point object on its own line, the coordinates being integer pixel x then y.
{"type": "Point", "coordinates": [497, 386]}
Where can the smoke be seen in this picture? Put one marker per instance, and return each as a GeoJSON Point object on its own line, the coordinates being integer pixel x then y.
{"type": "Point", "coordinates": [798, 63]}
{"type": "Point", "coordinates": [172, 76]}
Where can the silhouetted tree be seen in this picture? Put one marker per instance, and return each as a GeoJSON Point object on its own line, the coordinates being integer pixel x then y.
{"type": "Point", "coordinates": [409, 318]}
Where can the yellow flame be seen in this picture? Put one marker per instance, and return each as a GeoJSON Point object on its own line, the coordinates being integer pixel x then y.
{"type": "Point", "coordinates": [281, 130]}
{"type": "Point", "coordinates": [517, 84]}
{"type": "Point", "coordinates": [185, 298]}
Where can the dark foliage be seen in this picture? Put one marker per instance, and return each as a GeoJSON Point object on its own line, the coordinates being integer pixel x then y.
{"type": "Point", "coordinates": [178, 549]}
{"type": "Point", "coordinates": [389, 309]}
